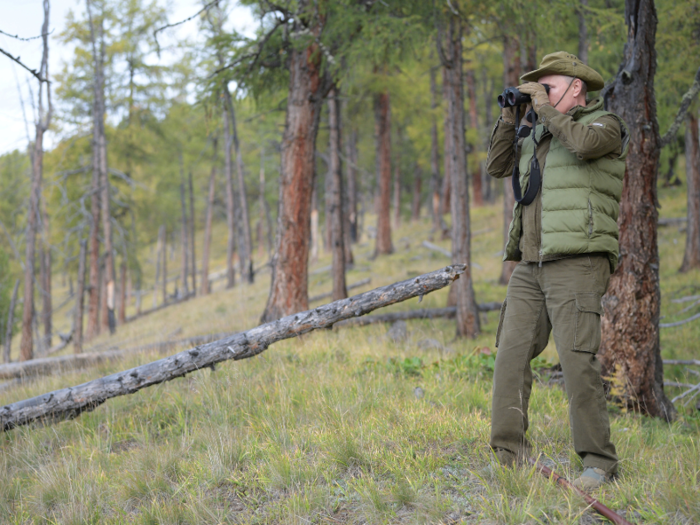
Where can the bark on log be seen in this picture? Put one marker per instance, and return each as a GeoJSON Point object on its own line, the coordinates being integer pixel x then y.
{"type": "Point", "coordinates": [68, 403]}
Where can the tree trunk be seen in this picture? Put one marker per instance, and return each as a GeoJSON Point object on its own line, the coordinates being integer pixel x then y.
{"type": "Point", "coordinates": [230, 211]}
{"type": "Point", "coordinates": [45, 280]}
{"type": "Point", "coordinates": [307, 88]}
{"type": "Point", "coordinates": [489, 193]}
{"type": "Point", "coordinates": [474, 124]}
{"type": "Point", "coordinates": [511, 77]}
{"type": "Point", "coordinates": [340, 290]}
{"type": "Point", "coordinates": [70, 402]}
{"type": "Point", "coordinates": [397, 181]}
{"type": "Point", "coordinates": [417, 183]}
{"type": "Point", "coordinates": [691, 258]}
{"type": "Point", "coordinates": [630, 349]}
{"type": "Point", "coordinates": [164, 264]}
{"type": "Point", "coordinates": [383, 126]}
{"type": "Point", "coordinates": [206, 286]}
{"type": "Point", "coordinates": [10, 323]}
{"type": "Point", "coordinates": [447, 158]}
{"type": "Point", "coordinates": [351, 170]}
{"type": "Point", "coordinates": [262, 206]}
{"type": "Point", "coordinates": [582, 32]}
{"type": "Point", "coordinates": [184, 272]}
{"type": "Point", "coordinates": [434, 158]}
{"type": "Point", "coordinates": [313, 256]}
{"type": "Point", "coordinates": [79, 301]}
{"type": "Point", "coordinates": [245, 245]}
{"type": "Point", "coordinates": [467, 314]}
{"type": "Point", "coordinates": [327, 205]}
{"type": "Point", "coordinates": [193, 250]}
{"type": "Point", "coordinates": [123, 292]}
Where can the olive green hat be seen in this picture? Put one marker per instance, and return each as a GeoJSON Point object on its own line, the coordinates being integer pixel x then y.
{"type": "Point", "coordinates": [563, 63]}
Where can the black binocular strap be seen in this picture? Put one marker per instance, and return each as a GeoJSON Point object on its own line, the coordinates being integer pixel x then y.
{"type": "Point", "coordinates": [535, 180]}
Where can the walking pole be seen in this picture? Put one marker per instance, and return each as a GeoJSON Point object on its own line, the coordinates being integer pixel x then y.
{"type": "Point", "coordinates": [597, 505]}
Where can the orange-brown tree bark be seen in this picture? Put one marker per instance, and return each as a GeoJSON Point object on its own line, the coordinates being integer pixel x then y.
{"type": "Point", "coordinates": [691, 257]}
{"type": "Point", "coordinates": [307, 89]}
{"type": "Point", "coordinates": [382, 121]}
{"type": "Point", "coordinates": [630, 349]}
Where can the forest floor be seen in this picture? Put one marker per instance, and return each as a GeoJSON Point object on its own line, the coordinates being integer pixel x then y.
{"type": "Point", "coordinates": [348, 426]}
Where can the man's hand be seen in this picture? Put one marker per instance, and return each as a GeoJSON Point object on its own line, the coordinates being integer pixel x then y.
{"type": "Point", "coordinates": [537, 93]}
{"type": "Point", "coordinates": [508, 114]}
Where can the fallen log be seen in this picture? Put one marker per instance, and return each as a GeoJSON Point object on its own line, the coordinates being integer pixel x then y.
{"type": "Point", "coordinates": [672, 221]}
{"type": "Point", "coordinates": [326, 295]}
{"type": "Point", "coordinates": [68, 403]}
{"type": "Point", "coordinates": [682, 362]}
{"type": "Point", "coordinates": [426, 313]}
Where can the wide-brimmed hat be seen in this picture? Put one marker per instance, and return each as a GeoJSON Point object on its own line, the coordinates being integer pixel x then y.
{"type": "Point", "coordinates": [563, 63]}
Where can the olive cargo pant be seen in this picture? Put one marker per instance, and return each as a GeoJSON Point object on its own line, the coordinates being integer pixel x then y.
{"type": "Point", "coordinates": [562, 296]}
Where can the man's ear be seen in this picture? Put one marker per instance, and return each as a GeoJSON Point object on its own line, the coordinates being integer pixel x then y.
{"type": "Point", "coordinates": [577, 87]}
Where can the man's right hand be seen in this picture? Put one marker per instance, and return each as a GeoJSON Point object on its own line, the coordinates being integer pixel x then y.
{"type": "Point", "coordinates": [508, 115]}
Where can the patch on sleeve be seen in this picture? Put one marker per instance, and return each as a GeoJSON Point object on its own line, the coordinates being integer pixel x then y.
{"type": "Point", "coordinates": [599, 124]}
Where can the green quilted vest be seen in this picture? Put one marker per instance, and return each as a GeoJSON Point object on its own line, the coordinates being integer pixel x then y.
{"type": "Point", "coordinates": [580, 198]}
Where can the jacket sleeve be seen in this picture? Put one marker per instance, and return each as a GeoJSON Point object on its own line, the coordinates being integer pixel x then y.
{"type": "Point", "coordinates": [587, 141]}
{"type": "Point", "coordinates": [499, 161]}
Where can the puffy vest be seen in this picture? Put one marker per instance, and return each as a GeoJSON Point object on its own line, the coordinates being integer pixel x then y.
{"type": "Point", "coordinates": [580, 198]}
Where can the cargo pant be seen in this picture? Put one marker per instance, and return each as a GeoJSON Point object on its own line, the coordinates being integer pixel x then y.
{"type": "Point", "coordinates": [563, 297]}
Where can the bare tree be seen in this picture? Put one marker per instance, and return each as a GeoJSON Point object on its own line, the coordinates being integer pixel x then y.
{"type": "Point", "coordinates": [630, 348]}
{"type": "Point", "coordinates": [691, 257]}
{"type": "Point", "coordinates": [41, 126]}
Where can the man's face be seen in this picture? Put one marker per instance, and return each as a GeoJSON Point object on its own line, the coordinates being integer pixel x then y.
{"type": "Point", "coordinates": [558, 85]}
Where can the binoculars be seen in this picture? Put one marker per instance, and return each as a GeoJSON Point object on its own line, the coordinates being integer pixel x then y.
{"type": "Point", "coordinates": [512, 97]}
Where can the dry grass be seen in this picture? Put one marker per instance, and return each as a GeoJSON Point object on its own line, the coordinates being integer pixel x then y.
{"type": "Point", "coordinates": [325, 429]}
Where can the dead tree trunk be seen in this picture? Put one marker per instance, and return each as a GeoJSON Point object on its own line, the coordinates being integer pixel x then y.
{"type": "Point", "coordinates": [45, 272]}
{"type": "Point", "coordinates": [511, 77]}
{"type": "Point", "coordinates": [383, 126]}
{"type": "Point", "coordinates": [193, 250]}
{"type": "Point", "coordinates": [42, 124]}
{"type": "Point", "coordinates": [10, 323]}
{"type": "Point", "coordinates": [79, 301]}
{"type": "Point", "coordinates": [474, 124]}
{"type": "Point", "coordinates": [206, 286]}
{"type": "Point", "coordinates": [69, 403]}
{"type": "Point", "coordinates": [307, 88]}
{"type": "Point", "coordinates": [434, 158]}
{"type": "Point", "coordinates": [340, 290]}
{"type": "Point", "coordinates": [691, 258]}
{"type": "Point", "coordinates": [630, 348]}
{"type": "Point", "coordinates": [230, 211]}
{"type": "Point", "coordinates": [468, 324]}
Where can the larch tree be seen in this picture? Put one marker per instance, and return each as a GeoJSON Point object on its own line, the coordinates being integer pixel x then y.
{"type": "Point", "coordinates": [630, 351]}
{"type": "Point", "coordinates": [382, 127]}
{"type": "Point", "coordinates": [691, 256]}
{"type": "Point", "coordinates": [337, 223]}
{"type": "Point", "coordinates": [33, 212]}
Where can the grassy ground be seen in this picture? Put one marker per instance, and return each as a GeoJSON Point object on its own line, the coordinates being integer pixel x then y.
{"type": "Point", "coordinates": [343, 427]}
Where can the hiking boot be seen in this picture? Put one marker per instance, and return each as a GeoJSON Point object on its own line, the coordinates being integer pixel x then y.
{"type": "Point", "coordinates": [505, 457]}
{"type": "Point", "coordinates": [591, 479]}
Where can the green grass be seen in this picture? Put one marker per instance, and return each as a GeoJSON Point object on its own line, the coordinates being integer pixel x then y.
{"type": "Point", "coordinates": [327, 428]}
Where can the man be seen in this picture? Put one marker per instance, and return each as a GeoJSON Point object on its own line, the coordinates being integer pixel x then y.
{"type": "Point", "coordinates": [566, 240]}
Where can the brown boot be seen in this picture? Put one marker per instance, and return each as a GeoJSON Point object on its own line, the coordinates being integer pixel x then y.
{"type": "Point", "coordinates": [591, 479]}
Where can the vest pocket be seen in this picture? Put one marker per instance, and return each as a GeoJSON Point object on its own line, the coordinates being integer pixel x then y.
{"type": "Point", "coordinates": [587, 322]}
{"type": "Point", "coordinates": [500, 321]}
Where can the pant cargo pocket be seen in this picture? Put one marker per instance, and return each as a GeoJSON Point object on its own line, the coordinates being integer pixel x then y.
{"type": "Point", "coordinates": [587, 322]}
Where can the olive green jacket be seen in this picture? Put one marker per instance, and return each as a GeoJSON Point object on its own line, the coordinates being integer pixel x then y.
{"type": "Point", "coordinates": [581, 155]}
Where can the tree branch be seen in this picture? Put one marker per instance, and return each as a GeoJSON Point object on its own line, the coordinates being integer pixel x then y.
{"type": "Point", "coordinates": [682, 110]}
{"type": "Point", "coordinates": [156, 31]}
{"type": "Point", "coordinates": [32, 71]}
{"type": "Point", "coordinates": [17, 37]}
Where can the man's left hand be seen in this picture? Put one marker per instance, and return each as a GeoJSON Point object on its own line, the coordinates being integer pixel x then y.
{"type": "Point", "coordinates": [537, 93]}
